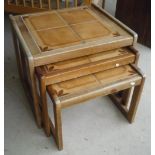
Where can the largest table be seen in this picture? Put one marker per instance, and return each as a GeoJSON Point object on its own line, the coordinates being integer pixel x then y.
{"type": "Point", "coordinates": [52, 36]}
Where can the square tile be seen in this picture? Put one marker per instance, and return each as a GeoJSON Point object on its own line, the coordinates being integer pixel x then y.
{"type": "Point", "coordinates": [77, 16]}
{"type": "Point", "coordinates": [45, 21]}
{"type": "Point", "coordinates": [57, 37]}
{"type": "Point", "coordinates": [89, 30]}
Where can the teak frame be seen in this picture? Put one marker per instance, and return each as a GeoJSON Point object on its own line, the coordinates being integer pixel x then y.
{"type": "Point", "coordinates": [29, 58]}
{"type": "Point", "coordinates": [47, 57]}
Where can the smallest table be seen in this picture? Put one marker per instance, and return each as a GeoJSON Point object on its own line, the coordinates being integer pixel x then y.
{"type": "Point", "coordinates": [76, 90]}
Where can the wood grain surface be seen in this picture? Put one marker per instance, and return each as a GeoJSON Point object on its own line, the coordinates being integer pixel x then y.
{"type": "Point", "coordinates": [63, 28]}
{"type": "Point", "coordinates": [97, 84]}
{"type": "Point", "coordinates": [73, 68]}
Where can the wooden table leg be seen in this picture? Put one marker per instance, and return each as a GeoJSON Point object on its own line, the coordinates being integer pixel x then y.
{"type": "Point", "coordinates": [135, 101]}
{"type": "Point", "coordinates": [126, 94]}
{"type": "Point", "coordinates": [103, 4]}
{"type": "Point", "coordinates": [18, 56]}
{"type": "Point", "coordinates": [45, 116]}
{"type": "Point", "coordinates": [58, 125]}
{"type": "Point", "coordinates": [33, 92]}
